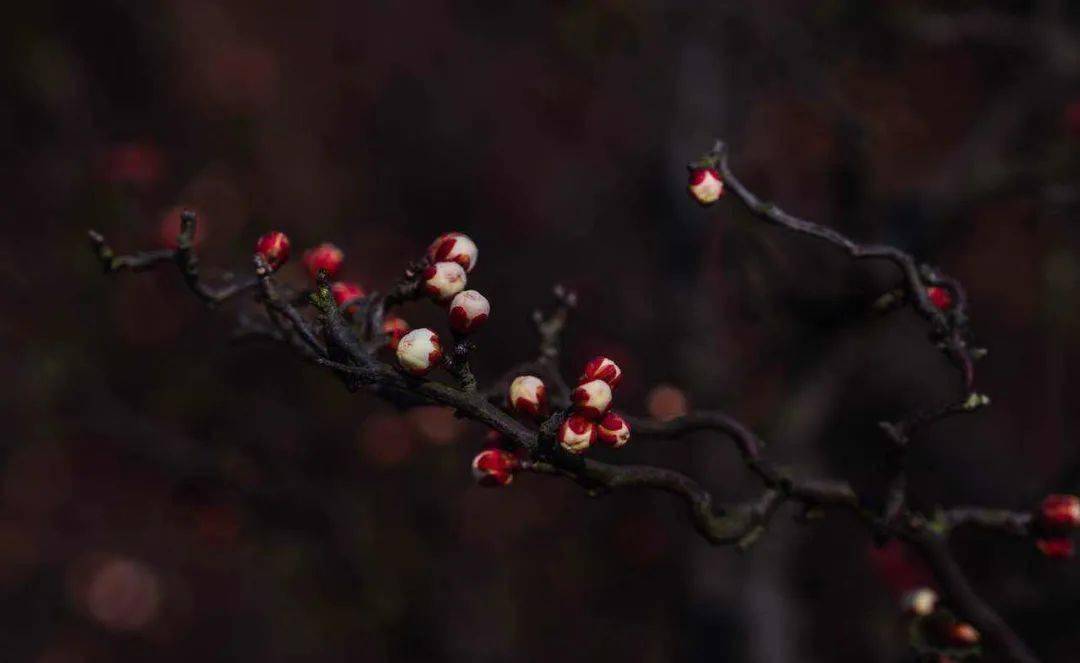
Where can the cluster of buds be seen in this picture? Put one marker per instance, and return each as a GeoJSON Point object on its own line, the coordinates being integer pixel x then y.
{"type": "Point", "coordinates": [591, 421]}
{"type": "Point", "coordinates": [328, 259]}
{"type": "Point", "coordinates": [274, 248]}
{"type": "Point", "coordinates": [705, 185]}
{"type": "Point", "coordinates": [449, 258]}
{"type": "Point", "coordinates": [1058, 516]}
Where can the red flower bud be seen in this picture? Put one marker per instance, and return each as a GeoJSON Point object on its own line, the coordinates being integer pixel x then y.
{"type": "Point", "coordinates": [274, 248]}
{"type": "Point", "coordinates": [528, 395]}
{"type": "Point", "coordinates": [962, 634]}
{"type": "Point", "coordinates": [1056, 548]}
{"type": "Point", "coordinates": [394, 328]}
{"type": "Point", "coordinates": [345, 292]}
{"type": "Point", "coordinates": [326, 257]}
{"type": "Point", "coordinates": [1060, 512]}
{"type": "Point", "coordinates": [940, 297]}
{"type": "Point", "coordinates": [494, 467]}
{"type": "Point", "coordinates": [576, 434]}
{"type": "Point", "coordinates": [705, 185]}
{"type": "Point", "coordinates": [454, 247]}
{"type": "Point", "coordinates": [613, 430]}
{"type": "Point", "coordinates": [419, 351]}
{"type": "Point", "coordinates": [468, 310]}
{"type": "Point", "coordinates": [602, 368]}
{"type": "Point", "coordinates": [919, 602]}
{"type": "Point", "coordinates": [443, 280]}
{"type": "Point", "coordinates": [592, 398]}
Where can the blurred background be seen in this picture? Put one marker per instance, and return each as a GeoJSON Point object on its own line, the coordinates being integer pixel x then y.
{"type": "Point", "coordinates": [167, 495]}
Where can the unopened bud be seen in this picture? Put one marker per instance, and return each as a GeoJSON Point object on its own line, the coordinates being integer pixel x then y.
{"type": "Point", "coordinates": [419, 351]}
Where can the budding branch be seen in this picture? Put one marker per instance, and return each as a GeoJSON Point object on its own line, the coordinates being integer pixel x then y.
{"type": "Point", "coordinates": [344, 340]}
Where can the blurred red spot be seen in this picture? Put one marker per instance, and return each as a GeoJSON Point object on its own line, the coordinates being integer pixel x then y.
{"type": "Point", "coordinates": [385, 440]}
{"type": "Point", "coordinates": [436, 425]}
{"type": "Point", "coordinates": [666, 402]}
{"type": "Point", "coordinates": [897, 568]}
{"type": "Point", "coordinates": [131, 163]}
{"type": "Point", "coordinates": [122, 594]}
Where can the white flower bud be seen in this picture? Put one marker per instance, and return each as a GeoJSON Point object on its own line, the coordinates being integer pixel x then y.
{"type": "Point", "coordinates": [454, 247]}
{"type": "Point", "coordinates": [443, 280]}
{"type": "Point", "coordinates": [419, 351]}
{"type": "Point", "coordinates": [468, 310]}
{"type": "Point", "coordinates": [705, 185]}
{"type": "Point", "coordinates": [602, 368]}
{"type": "Point", "coordinates": [613, 430]}
{"type": "Point", "coordinates": [528, 395]}
{"type": "Point", "coordinates": [592, 398]}
{"type": "Point", "coordinates": [576, 434]}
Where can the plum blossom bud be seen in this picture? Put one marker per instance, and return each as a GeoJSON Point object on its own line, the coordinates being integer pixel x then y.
{"type": "Point", "coordinates": [705, 185]}
{"type": "Point", "coordinates": [326, 257]}
{"type": "Point", "coordinates": [1056, 548]}
{"type": "Point", "coordinates": [443, 280]}
{"type": "Point", "coordinates": [602, 368]}
{"type": "Point", "coordinates": [494, 467]}
{"type": "Point", "coordinates": [592, 398]}
{"type": "Point", "coordinates": [454, 247]}
{"type": "Point", "coordinates": [345, 292]}
{"type": "Point", "coordinates": [962, 634]}
{"type": "Point", "coordinates": [419, 351]}
{"type": "Point", "coordinates": [1060, 512]}
{"type": "Point", "coordinates": [919, 602]}
{"type": "Point", "coordinates": [394, 328]}
{"type": "Point", "coordinates": [940, 297]}
{"type": "Point", "coordinates": [528, 395]}
{"type": "Point", "coordinates": [468, 310]}
{"type": "Point", "coordinates": [576, 434]}
{"type": "Point", "coordinates": [274, 248]}
{"type": "Point", "coordinates": [613, 430]}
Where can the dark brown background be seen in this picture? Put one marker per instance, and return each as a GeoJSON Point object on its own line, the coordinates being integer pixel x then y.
{"type": "Point", "coordinates": [167, 496]}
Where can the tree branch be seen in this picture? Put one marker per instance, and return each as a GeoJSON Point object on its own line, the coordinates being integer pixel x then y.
{"type": "Point", "coordinates": [331, 341]}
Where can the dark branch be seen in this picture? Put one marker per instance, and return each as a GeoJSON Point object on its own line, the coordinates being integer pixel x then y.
{"type": "Point", "coordinates": [948, 329]}
{"type": "Point", "coordinates": [183, 256]}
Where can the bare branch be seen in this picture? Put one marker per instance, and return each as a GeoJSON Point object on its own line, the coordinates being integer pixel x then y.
{"type": "Point", "coordinates": [183, 256]}
{"type": "Point", "coordinates": [948, 330]}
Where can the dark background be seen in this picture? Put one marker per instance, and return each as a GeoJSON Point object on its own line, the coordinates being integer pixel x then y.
{"type": "Point", "coordinates": [166, 495]}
